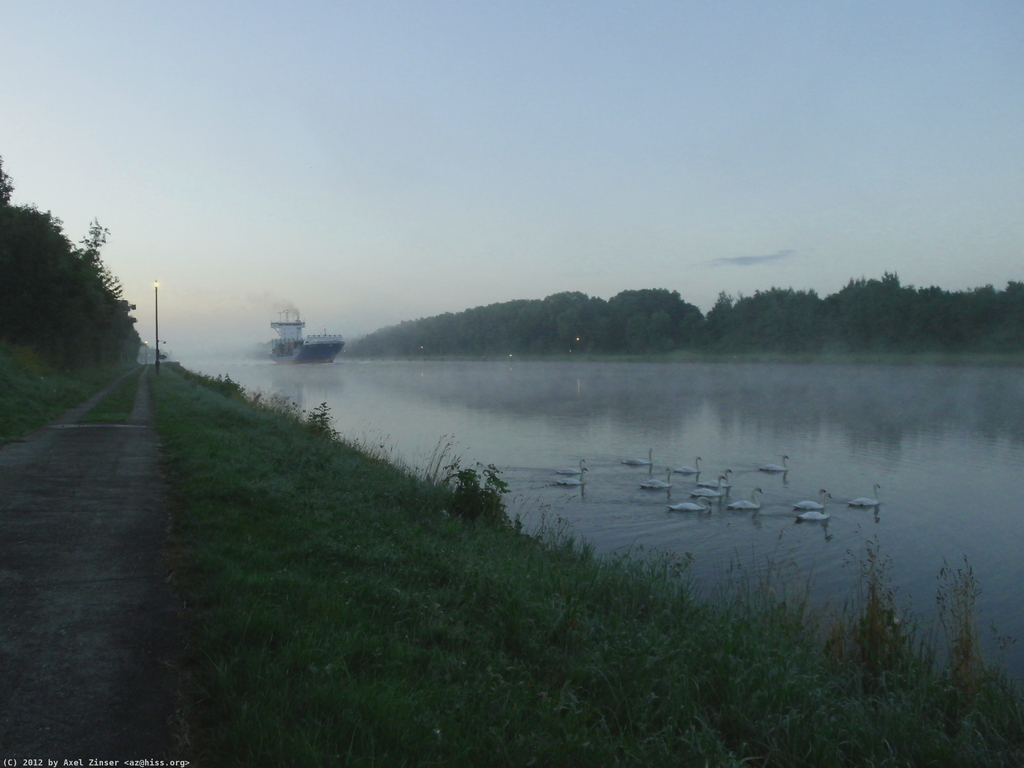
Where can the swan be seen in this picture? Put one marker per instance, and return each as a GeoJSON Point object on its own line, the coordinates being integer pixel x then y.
{"type": "Point", "coordinates": [716, 484]}
{"type": "Point", "coordinates": [702, 505]}
{"type": "Point", "coordinates": [823, 497]}
{"type": "Point", "coordinates": [774, 467]}
{"type": "Point", "coordinates": [708, 493]}
{"type": "Point", "coordinates": [744, 504]}
{"type": "Point", "coordinates": [658, 485]}
{"type": "Point", "coordinates": [813, 514]}
{"type": "Point", "coordinates": [864, 501]}
{"type": "Point", "coordinates": [640, 462]}
{"type": "Point", "coordinates": [573, 470]}
{"type": "Point", "coordinates": [572, 480]}
{"type": "Point", "coordinates": [695, 470]}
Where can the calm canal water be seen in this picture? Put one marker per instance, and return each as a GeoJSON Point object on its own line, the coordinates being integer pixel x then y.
{"type": "Point", "coordinates": [946, 444]}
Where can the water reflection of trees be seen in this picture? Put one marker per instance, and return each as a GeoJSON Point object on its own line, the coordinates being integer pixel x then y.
{"type": "Point", "coordinates": [871, 404]}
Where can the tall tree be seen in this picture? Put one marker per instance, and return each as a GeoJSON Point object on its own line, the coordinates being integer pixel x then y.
{"type": "Point", "coordinates": [6, 185]}
{"type": "Point", "coordinates": [58, 298]}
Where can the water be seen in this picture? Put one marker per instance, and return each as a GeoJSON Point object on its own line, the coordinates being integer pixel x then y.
{"type": "Point", "coordinates": [946, 444]}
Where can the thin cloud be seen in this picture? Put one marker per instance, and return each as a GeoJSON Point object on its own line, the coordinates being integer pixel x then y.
{"type": "Point", "coordinates": [749, 261]}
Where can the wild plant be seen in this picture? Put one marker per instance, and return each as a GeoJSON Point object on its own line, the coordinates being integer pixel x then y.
{"type": "Point", "coordinates": [319, 422]}
{"type": "Point", "coordinates": [957, 592]}
{"type": "Point", "coordinates": [435, 466]}
{"type": "Point", "coordinates": [474, 499]}
{"type": "Point", "coordinates": [876, 636]}
{"type": "Point", "coordinates": [276, 402]}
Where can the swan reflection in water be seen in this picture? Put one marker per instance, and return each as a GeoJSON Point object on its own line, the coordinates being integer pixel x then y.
{"type": "Point", "coordinates": [821, 521]}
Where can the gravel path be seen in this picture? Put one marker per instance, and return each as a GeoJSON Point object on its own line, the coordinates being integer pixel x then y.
{"type": "Point", "coordinates": [87, 623]}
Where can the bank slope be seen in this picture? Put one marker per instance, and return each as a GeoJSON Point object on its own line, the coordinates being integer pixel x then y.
{"type": "Point", "coordinates": [340, 614]}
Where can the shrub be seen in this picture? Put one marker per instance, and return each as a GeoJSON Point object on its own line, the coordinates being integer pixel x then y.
{"type": "Point", "coordinates": [318, 421]}
{"type": "Point", "coordinates": [473, 500]}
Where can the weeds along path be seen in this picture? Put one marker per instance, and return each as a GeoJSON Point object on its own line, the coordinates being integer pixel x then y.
{"type": "Point", "coordinates": [87, 623]}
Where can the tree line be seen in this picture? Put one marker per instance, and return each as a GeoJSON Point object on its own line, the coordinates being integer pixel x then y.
{"type": "Point", "coordinates": [56, 297]}
{"type": "Point", "coordinates": [866, 315]}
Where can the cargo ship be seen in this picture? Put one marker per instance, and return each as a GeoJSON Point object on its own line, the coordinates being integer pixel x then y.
{"type": "Point", "coordinates": [291, 347]}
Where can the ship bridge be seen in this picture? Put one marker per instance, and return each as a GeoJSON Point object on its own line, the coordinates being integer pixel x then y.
{"type": "Point", "coordinates": [289, 330]}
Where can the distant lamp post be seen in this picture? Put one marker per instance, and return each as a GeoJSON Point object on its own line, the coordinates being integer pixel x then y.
{"type": "Point", "coordinates": [156, 310]}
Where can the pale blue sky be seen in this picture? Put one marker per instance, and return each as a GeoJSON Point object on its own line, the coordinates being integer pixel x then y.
{"type": "Point", "coordinates": [378, 161]}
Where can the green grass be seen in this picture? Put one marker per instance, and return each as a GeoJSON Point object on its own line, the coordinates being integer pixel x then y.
{"type": "Point", "coordinates": [339, 613]}
{"type": "Point", "coordinates": [32, 394]}
{"type": "Point", "coordinates": [117, 406]}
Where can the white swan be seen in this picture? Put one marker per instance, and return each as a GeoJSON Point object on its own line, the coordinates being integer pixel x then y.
{"type": "Point", "coordinates": [657, 485]}
{"type": "Point", "coordinates": [774, 467]}
{"type": "Point", "coordinates": [744, 504]}
{"type": "Point", "coordinates": [572, 480]}
{"type": "Point", "coordinates": [864, 501]}
{"type": "Point", "coordinates": [702, 505]}
{"type": "Point", "coordinates": [716, 484]}
{"type": "Point", "coordinates": [690, 470]}
{"type": "Point", "coordinates": [823, 497]}
{"type": "Point", "coordinates": [640, 462]}
{"type": "Point", "coordinates": [708, 493]}
{"type": "Point", "coordinates": [573, 470]}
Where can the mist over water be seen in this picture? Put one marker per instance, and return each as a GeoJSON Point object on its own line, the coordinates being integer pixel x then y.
{"type": "Point", "coordinates": [945, 443]}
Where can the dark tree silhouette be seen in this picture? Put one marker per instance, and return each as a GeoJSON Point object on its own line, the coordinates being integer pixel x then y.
{"type": "Point", "coordinates": [56, 298]}
{"type": "Point", "coordinates": [865, 316]}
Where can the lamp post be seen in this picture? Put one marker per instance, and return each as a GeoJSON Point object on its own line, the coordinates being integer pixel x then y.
{"type": "Point", "coordinates": [156, 310]}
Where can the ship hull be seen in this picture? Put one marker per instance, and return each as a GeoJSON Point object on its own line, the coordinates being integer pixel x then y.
{"type": "Point", "coordinates": [309, 354]}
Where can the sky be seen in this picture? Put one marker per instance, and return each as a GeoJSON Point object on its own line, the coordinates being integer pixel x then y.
{"type": "Point", "coordinates": [373, 162]}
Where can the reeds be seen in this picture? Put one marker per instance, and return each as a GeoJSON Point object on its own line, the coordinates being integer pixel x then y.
{"type": "Point", "coordinates": [871, 632]}
{"type": "Point", "coordinates": [956, 595]}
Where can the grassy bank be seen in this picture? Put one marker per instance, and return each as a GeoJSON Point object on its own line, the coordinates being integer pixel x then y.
{"type": "Point", "coordinates": [32, 394]}
{"type": "Point", "coordinates": [342, 611]}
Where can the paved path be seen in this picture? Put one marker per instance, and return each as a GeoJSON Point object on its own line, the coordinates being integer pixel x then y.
{"type": "Point", "coordinates": [87, 622]}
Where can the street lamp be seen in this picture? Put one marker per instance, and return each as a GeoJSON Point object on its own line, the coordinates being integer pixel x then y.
{"type": "Point", "coordinates": [156, 310]}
